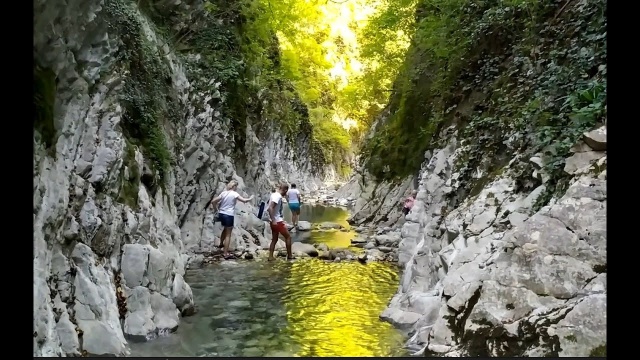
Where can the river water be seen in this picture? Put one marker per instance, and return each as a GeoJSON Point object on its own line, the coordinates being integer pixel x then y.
{"type": "Point", "coordinates": [302, 308]}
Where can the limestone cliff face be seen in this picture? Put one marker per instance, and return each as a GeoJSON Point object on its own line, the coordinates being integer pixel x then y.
{"type": "Point", "coordinates": [493, 277]}
{"type": "Point", "coordinates": [503, 256]}
{"type": "Point", "coordinates": [377, 202]}
{"type": "Point", "coordinates": [488, 275]}
{"type": "Point", "coordinates": [119, 196]}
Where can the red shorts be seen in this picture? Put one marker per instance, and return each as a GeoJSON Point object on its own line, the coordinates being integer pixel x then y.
{"type": "Point", "coordinates": [278, 228]}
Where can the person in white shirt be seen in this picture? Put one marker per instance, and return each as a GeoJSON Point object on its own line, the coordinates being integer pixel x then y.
{"type": "Point", "coordinates": [294, 199]}
{"type": "Point", "coordinates": [277, 222]}
{"type": "Point", "coordinates": [226, 203]}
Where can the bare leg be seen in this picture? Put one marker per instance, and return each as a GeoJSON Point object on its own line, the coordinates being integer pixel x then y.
{"type": "Point", "coordinates": [272, 246]}
{"type": "Point", "coordinates": [295, 218]}
{"type": "Point", "coordinates": [227, 240]}
{"type": "Point", "coordinates": [287, 241]}
{"type": "Point", "coordinates": [223, 235]}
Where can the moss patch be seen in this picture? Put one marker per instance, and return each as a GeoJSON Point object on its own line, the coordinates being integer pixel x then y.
{"type": "Point", "coordinates": [571, 338]}
{"type": "Point", "coordinates": [600, 351]}
{"type": "Point", "coordinates": [44, 96]}
{"type": "Point", "coordinates": [147, 96]}
{"type": "Point", "coordinates": [242, 54]}
{"type": "Point", "coordinates": [129, 179]}
{"type": "Point", "coordinates": [540, 64]}
{"type": "Point", "coordinates": [600, 268]}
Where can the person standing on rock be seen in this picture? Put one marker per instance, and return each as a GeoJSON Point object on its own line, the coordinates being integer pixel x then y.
{"type": "Point", "coordinates": [226, 212]}
{"type": "Point", "coordinates": [408, 202]}
{"type": "Point", "coordinates": [294, 199]}
{"type": "Point", "coordinates": [277, 222]}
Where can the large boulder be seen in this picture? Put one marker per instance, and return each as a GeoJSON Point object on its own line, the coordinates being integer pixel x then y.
{"type": "Point", "coordinates": [304, 226]}
{"type": "Point", "coordinates": [304, 248]}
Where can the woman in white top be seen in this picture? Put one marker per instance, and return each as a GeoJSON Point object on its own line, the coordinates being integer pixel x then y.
{"type": "Point", "coordinates": [294, 200]}
{"type": "Point", "coordinates": [226, 212]}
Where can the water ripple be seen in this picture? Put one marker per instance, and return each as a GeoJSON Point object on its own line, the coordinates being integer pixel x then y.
{"type": "Point", "coordinates": [333, 308]}
{"type": "Point", "coordinates": [305, 308]}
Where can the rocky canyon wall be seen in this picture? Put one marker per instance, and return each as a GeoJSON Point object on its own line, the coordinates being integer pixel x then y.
{"type": "Point", "coordinates": [133, 138]}
{"type": "Point", "coordinates": [504, 251]}
{"type": "Point", "coordinates": [492, 276]}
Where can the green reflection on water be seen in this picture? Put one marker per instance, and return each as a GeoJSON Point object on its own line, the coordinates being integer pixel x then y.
{"type": "Point", "coordinates": [317, 214]}
{"type": "Point", "coordinates": [305, 308]}
{"type": "Point", "coordinates": [333, 308]}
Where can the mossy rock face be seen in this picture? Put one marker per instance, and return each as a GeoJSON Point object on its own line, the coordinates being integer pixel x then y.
{"type": "Point", "coordinates": [44, 97]}
{"type": "Point", "coordinates": [600, 351]}
{"type": "Point", "coordinates": [571, 338]}
{"type": "Point", "coordinates": [130, 178]}
{"type": "Point", "coordinates": [253, 90]}
{"type": "Point", "coordinates": [551, 106]}
{"type": "Point", "coordinates": [147, 97]}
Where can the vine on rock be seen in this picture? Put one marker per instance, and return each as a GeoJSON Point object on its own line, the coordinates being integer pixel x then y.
{"type": "Point", "coordinates": [238, 48]}
{"type": "Point", "coordinates": [517, 76]}
{"type": "Point", "coordinates": [147, 97]}
{"type": "Point", "coordinates": [44, 96]}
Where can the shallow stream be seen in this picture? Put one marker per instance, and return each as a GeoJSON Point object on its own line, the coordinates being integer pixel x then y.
{"type": "Point", "coordinates": [304, 308]}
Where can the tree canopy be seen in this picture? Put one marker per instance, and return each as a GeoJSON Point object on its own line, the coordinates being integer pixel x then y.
{"type": "Point", "coordinates": [341, 57]}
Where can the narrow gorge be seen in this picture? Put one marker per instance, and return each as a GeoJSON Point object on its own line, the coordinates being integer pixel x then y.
{"type": "Point", "coordinates": [493, 111]}
{"type": "Point", "coordinates": [131, 143]}
{"type": "Point", "coordinates": [504, 252]}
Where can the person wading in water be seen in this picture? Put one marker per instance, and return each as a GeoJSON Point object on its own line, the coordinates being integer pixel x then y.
{"type": "Point", "coordinates": [226, 212]}
{"type": "Point", "coordinates": [277, 222]}
{"type": "Point", "coordinates": [294, 199]}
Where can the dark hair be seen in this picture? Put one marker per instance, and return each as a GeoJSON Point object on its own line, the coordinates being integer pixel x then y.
{"type": "Point", "coordinates": [293, 186]}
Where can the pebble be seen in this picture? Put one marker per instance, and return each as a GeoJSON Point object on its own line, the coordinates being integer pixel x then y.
{"type": "Point", "coordinates": [389, 249]}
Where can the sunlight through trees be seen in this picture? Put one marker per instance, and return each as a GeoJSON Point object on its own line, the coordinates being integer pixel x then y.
{"type": "Point", "coordinates": [341, 56]}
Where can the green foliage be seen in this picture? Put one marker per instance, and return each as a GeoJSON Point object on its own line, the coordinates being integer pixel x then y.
{"type": "Point", "coordinates": [309, 49]}
{"type": "Point", "coordinates": [129, 184]}
{"type": "Point", "coordinates": [538, 66]}
{"type": "Point", "coordinates": [259, 79]}
{"type": "Point", "coordinates": [552, 91]}
{"type": "Point", "coordinates": [242, 53]}
{"type": "Point", "coordinates": [571, 338]}
{"type": "Point", "coordinates": [383, 53]}
{"type": "Point", "coordinates": [584, 109]}
{"type": "Point", "coordinates": [334, 143]}
{"type": "Point", "coordinates": [44, 96]}
{"type": "Point", "coordinates": [267, 54]}
{"type": "Point", "coordinates": [440, 43]}
{"type": "Point", "coordinates": [600, 351]}
{"type": "Point", "coordinates": [148, 100]}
